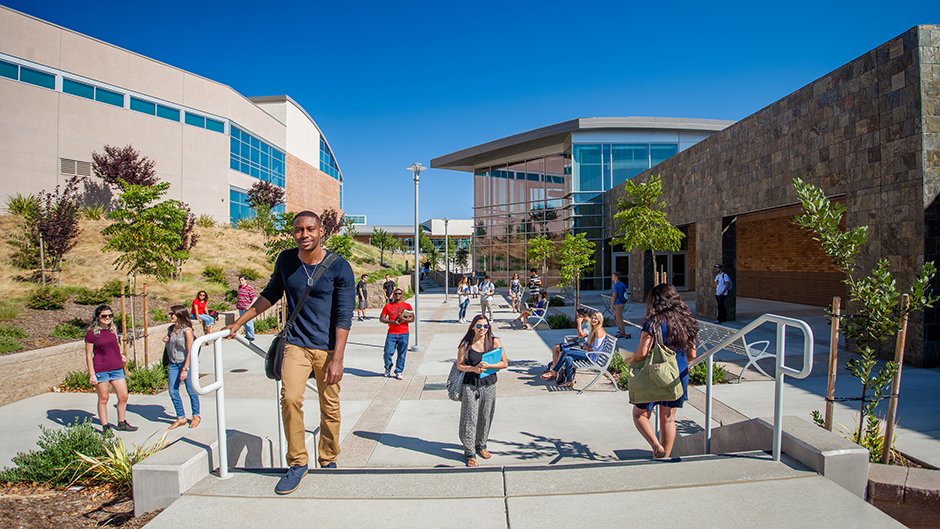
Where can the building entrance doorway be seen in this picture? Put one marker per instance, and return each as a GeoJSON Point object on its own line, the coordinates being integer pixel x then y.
{"type": "Point", "coordinates": [676, 266]}
{"type": "Point", "coordinates": [620, 262]}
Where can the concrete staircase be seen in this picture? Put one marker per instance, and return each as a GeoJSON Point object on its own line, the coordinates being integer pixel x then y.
{"type": "Point", "coordinates": [732, 491]}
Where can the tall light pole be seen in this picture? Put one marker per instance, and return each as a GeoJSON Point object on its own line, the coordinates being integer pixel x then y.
{"type": "Point", "coordinates": [446, 266]}
{"type": "Point", "coordinates": [416, 169]}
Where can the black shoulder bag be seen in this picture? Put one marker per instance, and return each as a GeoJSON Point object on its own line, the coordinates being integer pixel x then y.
{"type": "Point", "coordinates": [275, 356]}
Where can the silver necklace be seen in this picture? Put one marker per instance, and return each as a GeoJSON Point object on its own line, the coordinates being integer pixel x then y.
{"type": "Point", "coordinates": [309, 275]}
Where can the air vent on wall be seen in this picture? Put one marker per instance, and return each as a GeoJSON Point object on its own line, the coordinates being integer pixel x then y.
{"type": "Point", "coordinates": [74, 167]}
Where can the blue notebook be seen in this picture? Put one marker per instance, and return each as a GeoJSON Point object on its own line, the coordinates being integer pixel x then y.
{"type": "Point", "coordinates": [493, 357]}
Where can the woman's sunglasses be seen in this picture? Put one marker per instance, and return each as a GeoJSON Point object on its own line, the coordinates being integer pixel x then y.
{"type": "Point", "coordinates": [105, 316]}
{"type": "Point", "coordinates": [483, 326]}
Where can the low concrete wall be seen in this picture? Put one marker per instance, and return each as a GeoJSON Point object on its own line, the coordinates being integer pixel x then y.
{"type": "Point", "coordinates": [827, 453]}
{"type": "Point", "coordinates": [909, 495]}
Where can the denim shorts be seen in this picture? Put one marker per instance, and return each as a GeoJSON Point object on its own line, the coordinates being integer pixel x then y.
{"type": "Point", "coordinates": [107, 376]}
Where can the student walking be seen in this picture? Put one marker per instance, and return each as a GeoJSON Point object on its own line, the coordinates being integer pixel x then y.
{"type": "Point", "coordinates": [722, 286]}
{"type": "Point", "coordinates": [388, 286]}
{"type": "Point", "coordinates": [478, 394]}
{"type": "Point", "coordinates": [463, 299]}
{"type": "Point", "coordinates": [106, 367]}
{"type": "Point", "coordinates": [515, 293]}
{"type": "Point", "coordinates": [316, 342]}
{"type": "Point", "coordinates": [618, 299]}
{"type": "Point", "coordinates": [246, 296]}
{"type": "Point", "coordinates": [397, 315]}
{"type": "Point", "coordinates": [487, 289]}
{"type": "Point", "coordinates": [362, 295]}
{"type": "Point", "coordinates": [179, 342]}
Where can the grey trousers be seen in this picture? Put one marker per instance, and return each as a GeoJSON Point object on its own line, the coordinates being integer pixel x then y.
{"type": "Point", "coordinates": [486, 308]}
{"type": "Point", "coordinates": [477, 405]}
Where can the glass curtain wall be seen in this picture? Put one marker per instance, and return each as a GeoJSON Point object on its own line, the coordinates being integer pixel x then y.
{"type": "Point", "coordinates": [596, 168]}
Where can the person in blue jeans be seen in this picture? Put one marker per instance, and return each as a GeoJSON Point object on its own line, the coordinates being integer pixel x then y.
{"type": "Point", "coordinates": [463, 299]}
{"type": "Point", "coordinates": [567, 355]}
{"type": "Point", "coordinates": [394, 315]}
{"type": "Point", "coordinates": [178, 342]}
{"type": "Point", "coordinates": [669, 319]}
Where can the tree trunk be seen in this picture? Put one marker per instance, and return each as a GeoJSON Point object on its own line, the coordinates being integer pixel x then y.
{"type": "Point", "coordinates": [133, 317]}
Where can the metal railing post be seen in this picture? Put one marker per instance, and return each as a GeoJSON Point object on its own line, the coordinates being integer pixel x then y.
{"type": "Point", "coordinates": [281, 438]}
{"type": "Point", "coordinates": [215, 386]}
{"type": "Point", "coordinates": [778, 390]}
{"type": "Point", "coordinates": [709, 370]}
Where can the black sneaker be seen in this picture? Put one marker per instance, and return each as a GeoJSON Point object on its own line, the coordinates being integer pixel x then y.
{"type": "Point", "coordinates": [124, 426]}
{"type": "Point", "coordinates": [291, 480]}
{"type": "Point", "coordinates": [105, 428]}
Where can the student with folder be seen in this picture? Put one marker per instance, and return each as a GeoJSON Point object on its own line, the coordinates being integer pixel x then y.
{"type": "Point", "coordinates": [479, 356]}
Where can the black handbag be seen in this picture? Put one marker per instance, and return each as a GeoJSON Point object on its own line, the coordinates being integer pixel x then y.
{"type": "Point", "coordinates": [275, 356]}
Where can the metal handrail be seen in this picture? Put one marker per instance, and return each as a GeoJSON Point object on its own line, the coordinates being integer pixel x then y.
{"type": "Point", "coordinates": [782, 370]}
{"type": "Point", "coordinates": [218, 387]}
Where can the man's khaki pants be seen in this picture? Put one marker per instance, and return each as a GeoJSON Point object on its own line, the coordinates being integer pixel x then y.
{"type": "Point", "coordinates": [618, 317]}
{"type": "Point", "coordinates": [298, 363]}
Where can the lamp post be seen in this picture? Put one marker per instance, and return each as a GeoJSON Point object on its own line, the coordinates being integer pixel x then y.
{"type": "Point", "coordinates": [446, 265]}
{"type": "Point", "coordinates": [416, 169]}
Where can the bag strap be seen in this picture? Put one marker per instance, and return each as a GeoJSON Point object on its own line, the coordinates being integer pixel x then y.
{"type": "Point", "coordinates": [324, 265]}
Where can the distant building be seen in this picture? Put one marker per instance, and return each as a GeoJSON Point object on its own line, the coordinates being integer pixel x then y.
{"type": "Point", "coordinates": [357, 220]}
{"type": "Point", "coordinates": [66, 95]}
{"type": "Point", "coordinates": [459, 233]}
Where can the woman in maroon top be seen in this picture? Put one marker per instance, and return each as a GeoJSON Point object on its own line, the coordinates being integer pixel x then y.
{"type": "Point", "coordinates": [106, 366]}
{"type": "Point", "coordinates": [200, 311]}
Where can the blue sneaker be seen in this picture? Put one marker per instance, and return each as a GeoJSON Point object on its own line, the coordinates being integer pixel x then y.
{"type": "Point", "coordinates": [330, 465]}
{"type": "Point", "coordinates": [291, 479]}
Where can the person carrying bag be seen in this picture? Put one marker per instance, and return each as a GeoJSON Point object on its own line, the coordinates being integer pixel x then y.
{"type": "Point", "coordinates": [656, 377]}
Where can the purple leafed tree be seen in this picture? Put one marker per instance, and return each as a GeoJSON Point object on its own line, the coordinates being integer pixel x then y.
{"type": "Point", "coordinates": [56, 222]}
{"type": "Point", "coordinates": [332, 221]}
{"type": "Point", "coordinates": [123, 163]}
{"type": "Point", "coordinates": [265, 194]}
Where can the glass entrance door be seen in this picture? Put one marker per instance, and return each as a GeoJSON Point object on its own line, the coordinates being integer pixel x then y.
{"type": "Point", "coordinates": [676, 267]}
{"type": "Point", "coordinates": [620, 262]}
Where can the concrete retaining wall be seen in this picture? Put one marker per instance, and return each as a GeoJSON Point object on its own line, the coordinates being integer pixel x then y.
{"type": "Point", "coordinates": [909, 495]}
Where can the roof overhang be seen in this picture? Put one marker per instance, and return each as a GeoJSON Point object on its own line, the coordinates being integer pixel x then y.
{"type": "Point", "coordinates": [550, 139]}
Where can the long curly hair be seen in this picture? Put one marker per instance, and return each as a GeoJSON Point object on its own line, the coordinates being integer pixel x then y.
{"type": "Point", "coordinates": [663, 304]}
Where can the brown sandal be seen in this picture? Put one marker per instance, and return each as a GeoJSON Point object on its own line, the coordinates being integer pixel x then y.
{"type": "Point", "coordinates": [471, 462]}
{"type": "Point", "coordinates": [177, 423]}
{"type": "Point", "coordinates": [195, 422]}
{"type": "Point", "coordinates": [485, 454]}
{"type": "Point", "coordinates": [548, 375]}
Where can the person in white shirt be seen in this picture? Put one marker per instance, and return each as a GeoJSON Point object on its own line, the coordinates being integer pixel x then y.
{"type": "Point", "coordinates": [487, 289]}
{"type": "Point", "coordinates": [722, 286]}
{"type": "Point", "coordinates": [463, 298]}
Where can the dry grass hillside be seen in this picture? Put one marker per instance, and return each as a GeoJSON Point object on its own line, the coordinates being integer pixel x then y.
{"type": "Point", "coordinates": [87, 266]}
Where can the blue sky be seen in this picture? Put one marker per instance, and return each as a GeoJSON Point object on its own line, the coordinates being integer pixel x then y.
{"type": "Point", "coordinates": [391, 83]}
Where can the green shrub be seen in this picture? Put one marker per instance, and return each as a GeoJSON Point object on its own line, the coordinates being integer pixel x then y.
{"type": "Point", "coordinates": [500, 283]}
{"type": "Point", "coordinates": [8, 310]}
{"type": "Point", "coordinates": [9, 344]}
{"type": "Point", "coordinates": [25, 206]}
{"type": "Point", "coordinates": [74, 329]}
{"type": "Point", "coordinates": [112, 289]}
{"type": "Point", "coordinates": [12, 332]}
{"type": "Point", "coordinates": [159, 316]}
{"type": "Point", "coordinates": [267, 324]}
{"type": "Point", "coordinates": [205, 221]}
{"type": "Point", "coordinates": [559, 321]}
{"type": "Point", "coordinates": [94, 212]}
{"type": "Point", "coordinates": [698, 374]}
{"type": "Point", "coordinates": [367, 260]}
{"type": "Point", "coordinates": [214, 274]}
{"type": "Point", "coordinates": [249, 273]}
{"type": "Point", "coordinates": [246, 224]}
{"type": "Point", "coordinates": [143, 379]}
{"type": "Point", "coordinates": [77, 381]}
{"type": "Point", "coordinates": [622, 381]}
{"type": "Point", "coordinates": [617, 364]}
{"type": "Point", "coordinates": [220, 306]}
{"type": "Point", "coordinates": [231, 296]}
{"type": "Point", "coordinates": [556, 301]}
{"type": "Point", "coordinates": [47, 298]}
{"type": "Point", "coordinates": [56, 462]}
{"type": "Point", "coordinates": [86, 296]}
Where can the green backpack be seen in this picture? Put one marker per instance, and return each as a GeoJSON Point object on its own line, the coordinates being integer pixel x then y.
{"type": "Point", "coordinates": [656, 377]}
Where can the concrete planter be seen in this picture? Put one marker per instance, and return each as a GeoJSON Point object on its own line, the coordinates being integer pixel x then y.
{"type": "Point", "coordinates": [909, 495]}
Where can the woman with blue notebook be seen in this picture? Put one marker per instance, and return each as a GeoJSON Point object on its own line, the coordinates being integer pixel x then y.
{"type": "Point", "coordinates": [479, 356]}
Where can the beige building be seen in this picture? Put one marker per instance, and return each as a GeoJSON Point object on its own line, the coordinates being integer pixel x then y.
{"type": "Point", "coordinates": [66, 95]}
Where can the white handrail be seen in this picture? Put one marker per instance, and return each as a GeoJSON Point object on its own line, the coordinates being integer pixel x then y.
{"type": "Point", "coordinates": [782, 322]}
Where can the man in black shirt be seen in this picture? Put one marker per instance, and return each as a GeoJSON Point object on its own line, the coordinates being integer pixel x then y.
{"type": "Point", "coordinates": [315, 342]}
{"type": "Point", "coordinates": [389, 287]}
{"type": "Point", "coordinates": [362, 293]}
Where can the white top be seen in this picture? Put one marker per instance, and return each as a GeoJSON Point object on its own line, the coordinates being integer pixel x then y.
{"type": "Point", "coordinates": [721, 283]}
{"type": "Point", "coordinates": [598, 343]}
{"type": "Point", "coordinates": [486, 290]}
{"type": "Point", "coordinates": [463, 293]}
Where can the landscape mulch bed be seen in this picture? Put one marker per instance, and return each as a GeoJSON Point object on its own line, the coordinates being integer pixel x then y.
{"type": "Point", "coordinates": [28, 506]}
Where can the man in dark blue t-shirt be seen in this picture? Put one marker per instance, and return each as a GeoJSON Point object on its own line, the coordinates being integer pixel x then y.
{"type": "Point", "coordinates": [618, 299]}
{"type": "Point", "coordinates": [316, 342]}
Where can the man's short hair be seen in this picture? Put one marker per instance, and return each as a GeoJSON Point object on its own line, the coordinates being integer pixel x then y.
{"type": "Point", "coordinates": [487, 276]}
{"type": "Point", "coordinates": [616, 274]}
{"type": "Point", "coordinates": [242, 277]}
{"type": "Point", "coordinates": [532, 270]}
{"type": "Point", "coordinates": [308, 213]}
{"type": "Point", "coordinates": [717, 266]}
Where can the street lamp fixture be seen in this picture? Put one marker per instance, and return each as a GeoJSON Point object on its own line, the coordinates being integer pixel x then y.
{"type": "Point", "coordinates": [416, 169]}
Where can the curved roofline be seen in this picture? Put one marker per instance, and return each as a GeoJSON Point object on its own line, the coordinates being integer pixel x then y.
{"type": "Point", "coordinates": [286, 98]}
{"type": "Point", "coordinates": [465, 159]}
{"type": "Point", "coordinates": [145, 57]}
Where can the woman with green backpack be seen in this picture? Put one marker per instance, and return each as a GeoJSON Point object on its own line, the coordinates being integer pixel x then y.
{"type": "Point", "coordinates": [670, 330]}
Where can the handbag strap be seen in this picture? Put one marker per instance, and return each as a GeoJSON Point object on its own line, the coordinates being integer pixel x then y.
{"type": "Point", "coordinates": [324, 265]}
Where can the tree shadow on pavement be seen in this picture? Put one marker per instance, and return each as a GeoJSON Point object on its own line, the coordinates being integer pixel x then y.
{"type": "Point", "coordinates": [450, 451]}
{"type": "Point", "coordinates": [540, 447]}
{"type": "Point", "coordinates": [69, 417]}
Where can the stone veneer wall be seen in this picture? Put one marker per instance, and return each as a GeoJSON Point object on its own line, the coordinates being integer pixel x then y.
{"type": "Point", "coordinates": [309, 188]}
{"type": "Point", "coordinates": [858, 132]}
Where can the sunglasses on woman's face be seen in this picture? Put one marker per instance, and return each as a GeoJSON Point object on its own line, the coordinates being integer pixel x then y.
{"type": "Point", "coordinates": [483, 326]}
{"type": "Point", "coordinates": [105, 316]}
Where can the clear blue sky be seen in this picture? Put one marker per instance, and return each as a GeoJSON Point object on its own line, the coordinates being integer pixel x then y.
{"type": "Point", "coordinates": [391, 83]}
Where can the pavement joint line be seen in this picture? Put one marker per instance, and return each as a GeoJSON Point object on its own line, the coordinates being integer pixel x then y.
{"type": "Point", "coordinates": [506, 499]}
